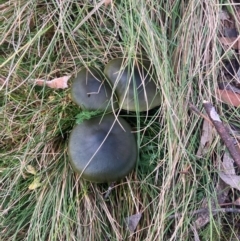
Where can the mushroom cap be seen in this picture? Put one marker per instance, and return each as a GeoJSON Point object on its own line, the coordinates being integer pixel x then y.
{"type": "Point", "coordinates": [134, 84]}
{"type": "Point", "coordinates": [91, 92]}
{"type": "Point", "coordinates": [102, 150]}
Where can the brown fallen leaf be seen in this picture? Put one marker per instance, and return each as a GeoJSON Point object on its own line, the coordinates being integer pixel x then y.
{"type": "Point", "coordinates": [228, 165]}
{"type": "Point", "coordinates": [229, 86]}
{"type": "Point", "coordinates": [203, 218]}
{"type": "Point", "coordinates": [206, 138]}
{"type": "Point", "coordinates": [231, 180]}
{"type": "Point", "coordinates": [237, 14]}
{"type": "Point", "coordinates": [229, 97]}
{"type": "Point", "coordinates": [233, 42]}
{"type": "Point", "coordinates": [57, 83]}
{"type": "Point", "coordinates": [227, 174]}
{"type": "Point", "coordinates": [107, 2]}
{"type": "Point", "coordinates": [223, 132]}
{"type": "Point", "coordinates": [237, 202]}
{"type": "Point", "coordinates": [223, 15]}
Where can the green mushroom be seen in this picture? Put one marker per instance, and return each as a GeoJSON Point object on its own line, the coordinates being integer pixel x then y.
{"type": "Point", "coordinates": [103, 149]}
{"type": "Point", "coordinates": [134, 85]}
{"type": "Point", "coordinates": [91, 92]}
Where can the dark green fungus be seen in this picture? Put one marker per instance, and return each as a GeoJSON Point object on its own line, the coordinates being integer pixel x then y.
{"type": "Point", "coordinates": [134, 85]}
{"type": "Point", "coordinates": [91, 92]}
{"type": "Point", "coordinates": [103, 149]}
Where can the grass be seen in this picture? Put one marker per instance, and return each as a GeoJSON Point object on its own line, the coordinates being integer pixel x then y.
{"type": "Point", "coordinates": [38, 41]}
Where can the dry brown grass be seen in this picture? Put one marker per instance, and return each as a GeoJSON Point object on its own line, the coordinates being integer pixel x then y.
{"type": "Point", "coordinates": [41, 39]}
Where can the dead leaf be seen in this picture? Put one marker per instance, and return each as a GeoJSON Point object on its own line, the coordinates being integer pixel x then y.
{"type": "Point", "coordinates": [227, 174]}
{"type": "Point", "coordinates": [30, 169]}
{"type": "Point", "coordinates": [237, 15]}
{"type": "Point", "coordinates": [224, 15]}
{"type": "Point", "coordinates": [229, 97]}
{"type": "Point", "coordinates": [228, 164]}
{"type": "Point", "coordinates": [57, 83]}
{"type": "Point", "coordinates": [231, 180]}
{"type": "Point", "coordinates": [237, 202]}
{"type": "Point", "coordinates": [233, 42]}
{"type": "Point", "coordinates": [107, 2]}
{"type": "Point", "coordinates": [230, 33]}
{"type": "Point", "coordinates": [35, 184]}
{"type": "Point", "coordinates": [204, 217]}
{"type": "Point", "coordinates": [206, 138]}
{"type": "Point", "coordinates": [222, 190]}
{"type": "Point", "coordinates": [132, 221]}
{"type": "Point", "coordinates": [230, 87]}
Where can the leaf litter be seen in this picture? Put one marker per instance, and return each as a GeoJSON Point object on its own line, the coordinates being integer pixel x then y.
{"type": "Point", "coordinates": [206, 138]}
{"type": "Point", "coordinates": [228, 173]}
{"type": "Point", "coordinates": [228, 179]}
{"type": "Point", "coordinates": [230, 40]}
{"type": "Point", "coordinates": [132, 221]}
{"type": "Point", "coordinates": [57, 83]}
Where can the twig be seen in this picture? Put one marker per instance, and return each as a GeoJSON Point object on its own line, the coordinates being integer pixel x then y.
{"type": "Point", "coordinates": [110, 188]}
{"type": "Point", "coordinates": [195, 233]}
{"type": "Point", "coordinates": [197, 111]}
{"type": "Point", "coordinates": [222, 131]}
{"type": "Point", "coordinates": [204, 210]}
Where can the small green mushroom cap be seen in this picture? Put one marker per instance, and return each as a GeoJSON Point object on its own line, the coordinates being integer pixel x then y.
{"type": "Point", "coordinates": [91, 92]}
{"type": "Point", "coordinates": [103, 149]}
{"type": "Point", "coordinates": [134, 85]}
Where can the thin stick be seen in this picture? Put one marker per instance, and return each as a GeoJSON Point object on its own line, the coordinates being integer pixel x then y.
{"type": "Point", "coordinates": [197, 111]}
{"type": "Point", "coordinates": [204, 210]}
{"type": "Point", "coordinates": [222, 131]}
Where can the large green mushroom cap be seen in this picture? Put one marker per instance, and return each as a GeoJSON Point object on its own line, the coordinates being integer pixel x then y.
{"type": "Point", "coordinates": [134, 85]}
{"type": "Point", "coordinates": [91, 92]}
{"type": "Point", "coordinates": [103, 149]}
